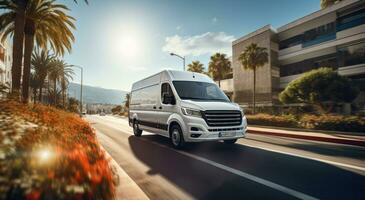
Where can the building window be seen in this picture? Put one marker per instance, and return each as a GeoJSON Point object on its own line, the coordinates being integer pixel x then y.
{"type": "Point", "coordinates": [293, 41]}
{"type": "Point", "coordinates": [352, 55]}
{"type": "Point", "coordinates": [320, 34]}
{"type": "Point", "coordinates": [351, 20]}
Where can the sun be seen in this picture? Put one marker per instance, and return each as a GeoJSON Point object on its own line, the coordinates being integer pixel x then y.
{"type": "Point", "coordinates": [128, 45]}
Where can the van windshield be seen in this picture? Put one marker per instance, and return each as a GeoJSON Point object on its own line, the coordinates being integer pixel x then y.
{"type": "Point", "coordinates": [193, 90]}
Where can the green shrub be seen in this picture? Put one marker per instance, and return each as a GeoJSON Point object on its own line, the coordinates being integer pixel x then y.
{"type": "Point", "coordinates": [317, 122]}
{"type": "Point", "coordinates": [333, 122]}
{"type": "Point", "coordinates": [272, 120]}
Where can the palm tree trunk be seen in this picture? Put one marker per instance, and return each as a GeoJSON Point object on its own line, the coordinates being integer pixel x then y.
{"type": "Point", "coordinates": [55, 92]}
{"type": "Point", "coordinates": [40, 93]}
{"type": "Point", "coordinates": [254, 91]}
{"type": "Point", "coordinates": [28, 49]}
{"type": "Point", "coordinates": [219, 83]}
{"type": "Point", "coordinates": [18, 38]}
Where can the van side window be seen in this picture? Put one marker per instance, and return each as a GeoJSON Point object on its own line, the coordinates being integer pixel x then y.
{"type": "Point", "coordinates": [166, 89]}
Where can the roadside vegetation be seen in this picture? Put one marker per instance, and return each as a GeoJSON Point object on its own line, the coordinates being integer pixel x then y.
{"type": "Point", "coordinates": [47, 153]}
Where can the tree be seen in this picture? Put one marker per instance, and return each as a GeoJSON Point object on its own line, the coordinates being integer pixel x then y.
{"type": "Point", "coordinates": [327, 3]}
{"type": "Point", "coordinates": [60, 72]}
{"type": "Point", "coordinates": [320, 87]}
{"type": "Point", "coordinates": [196, 66]}
{"type": "Point", "coordinates": [47, 24]}
{"type": "Point", "coordinates": [13, 23]}
{"type": "Point", "coordinates": [73, 105]}
{"type": "Point", "coordinates": [42, 62]}
{"type": "Point", "coordinates": [127, 100]}
{"type": "Point", "coordinates": [252, 58]}
{"type": "Point", "coordinates": [117, 109]}
{"type": "Point", "coordinates": [219, 67]}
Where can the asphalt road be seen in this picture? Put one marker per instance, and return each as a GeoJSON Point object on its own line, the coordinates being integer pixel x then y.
{"type": "Point", "coordinates": [257, 167]}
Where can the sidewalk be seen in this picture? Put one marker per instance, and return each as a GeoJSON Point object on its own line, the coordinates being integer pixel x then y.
{"type": "Point", "coordinates": [127, 188]}
{"type": "Point", "coordinates": [333, 137]}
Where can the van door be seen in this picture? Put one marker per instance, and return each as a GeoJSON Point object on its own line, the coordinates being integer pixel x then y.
{"type": "Point", "coordinates": [166, 109]}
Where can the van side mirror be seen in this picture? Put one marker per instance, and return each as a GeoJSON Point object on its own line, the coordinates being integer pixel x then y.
{"type": "Point", "coordinates": [168, 99]}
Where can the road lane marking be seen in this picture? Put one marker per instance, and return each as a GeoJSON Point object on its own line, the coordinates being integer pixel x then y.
{"type": "Point", "coordinates": [253, 178]}
{"type": "Point", "coordinates": [273, 150]}
{"type": "Point", "coordinates": [287, 153]}
{"type": "Point", "coordinates": [307, 157]}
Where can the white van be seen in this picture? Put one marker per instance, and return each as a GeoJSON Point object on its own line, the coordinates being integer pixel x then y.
{"type": "Point", "coordinates": [185, 107]}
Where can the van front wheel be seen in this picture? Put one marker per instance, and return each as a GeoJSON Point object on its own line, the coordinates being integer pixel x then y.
{"type": "Point", "coordinates": [137, 132]}
{"type": "Point", "coordinates": [176, 136]}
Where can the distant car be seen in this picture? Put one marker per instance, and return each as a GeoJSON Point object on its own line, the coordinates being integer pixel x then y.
{"type": "Point", "coordinates": [102, 114]}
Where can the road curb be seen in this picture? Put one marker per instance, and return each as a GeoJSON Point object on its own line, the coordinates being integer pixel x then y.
{"type": "Point", "coordinates": [127, 189]}
{"type": "Point", "coordinates": [310, 137]}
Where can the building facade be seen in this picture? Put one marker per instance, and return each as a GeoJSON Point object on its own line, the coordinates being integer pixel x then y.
{"type": "Point", "coordinates": [5, 63]}
{"type": "Point", "coordinates": [332, 37]}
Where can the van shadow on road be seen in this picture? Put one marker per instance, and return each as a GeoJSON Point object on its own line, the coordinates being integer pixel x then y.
{"type": "Point", "coordinates": [204, 181]}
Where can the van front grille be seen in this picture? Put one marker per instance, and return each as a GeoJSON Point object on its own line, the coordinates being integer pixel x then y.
{"type": "Point", "coordinates": [222, 117]}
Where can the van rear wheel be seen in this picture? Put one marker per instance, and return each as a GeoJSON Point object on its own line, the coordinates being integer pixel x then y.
{"type": "Point", "coordinates": [230, 141]}
{"type": "Point", "coordinates": [136, 131]}
{"type": "Point", "coordinates": [176, 136]}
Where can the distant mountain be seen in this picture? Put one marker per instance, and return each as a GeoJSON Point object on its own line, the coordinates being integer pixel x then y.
{"type": "Point", "coordinates": [93, 94]}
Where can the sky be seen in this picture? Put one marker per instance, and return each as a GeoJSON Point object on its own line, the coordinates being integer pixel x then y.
{"type": "Point", "coordinates": [119, 42]}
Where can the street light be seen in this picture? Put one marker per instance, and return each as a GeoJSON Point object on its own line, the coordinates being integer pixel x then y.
{"type": "Point", "coordinates": [80, 87]}
{"type": "Point", "coordinates": [182, 57]}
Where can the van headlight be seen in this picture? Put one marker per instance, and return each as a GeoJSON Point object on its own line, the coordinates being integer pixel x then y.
{"type": "Point", "coordinates": [191, 112]}
{"type": "Point", "coordinates": [242, 112]}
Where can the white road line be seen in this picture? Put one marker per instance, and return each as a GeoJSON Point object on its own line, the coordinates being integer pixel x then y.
{"type": "Point", "coordinates": [307, 157]}
{"type": "Point", "coordinates": [297, 155]}
{"type": "Point", "coordinates": [262, 181]}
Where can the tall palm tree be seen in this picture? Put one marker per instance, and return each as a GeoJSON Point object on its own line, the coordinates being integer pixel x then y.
{"type": "Point", "coordinates": [60, 72]}
{"type": "Point", "coordinates": [47, 24]}
{"type": "Point", "coordinates": [14, 23]}
{"type": "Point", "coordinates": [17, 29]}
{"type": "Point", "coordinates": [42, 62]}
{"type": "Point", "coordinates": [196, 66]}
{"type": "Point", "coordinates": [219, 67]}
{"type": "Point", "coordinates": [252, 58]}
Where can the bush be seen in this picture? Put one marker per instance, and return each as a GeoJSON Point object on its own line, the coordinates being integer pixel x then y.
{"type": "Point", "coordinates": [320, 87]}
{"type": "Point", "coordinates": [271, 120]}
{"type": "Point", "coordinates": [56, 157]}
{"type": "Point", "coordinates": [316, 122]}
{"type": "Point", "coordinates": [333, 122]}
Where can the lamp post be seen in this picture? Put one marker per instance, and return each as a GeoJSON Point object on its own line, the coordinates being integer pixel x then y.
{"type": "Point", "coordinates": [80, 87]}
{"type": "Point", "coordinates": [182, 57]}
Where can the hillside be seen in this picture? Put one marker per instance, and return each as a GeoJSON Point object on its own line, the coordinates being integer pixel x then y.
{"type": "Point", "coordinates": [93, 94]}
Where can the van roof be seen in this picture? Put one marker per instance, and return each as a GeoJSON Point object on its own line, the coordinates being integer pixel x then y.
{"type": "Point", "coordinates": [188, 76]}
{"type": "Point", "coordinates": [171, 75]}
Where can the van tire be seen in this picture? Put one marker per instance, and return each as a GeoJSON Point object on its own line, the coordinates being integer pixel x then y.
{"type": "Point", "coordinates": [136, 131]}
{"type": "Point", "coordinates": [177, 137]}
{"type": "Point", "coordinates": [230, 141]}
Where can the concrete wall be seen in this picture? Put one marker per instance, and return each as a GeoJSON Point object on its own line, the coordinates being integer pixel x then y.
{"type": "Point", "coordinates": [243, 79]}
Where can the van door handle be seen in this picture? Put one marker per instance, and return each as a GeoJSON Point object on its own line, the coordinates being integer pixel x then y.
{"type": "Point", "coordinates": [154, 107]}
{"type": "Point", "coordinates": [160, 107]}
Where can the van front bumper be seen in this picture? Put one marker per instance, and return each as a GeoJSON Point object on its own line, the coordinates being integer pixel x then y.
{"type": "Point", "coordinates": [198, 131]}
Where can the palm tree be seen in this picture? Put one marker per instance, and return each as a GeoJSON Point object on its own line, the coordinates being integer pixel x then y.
{"type": "Point", "coordinates": [42, 62]}
{"type": "Point", "coordinates": [47, 24]}
{"type": "Point", "coordinates": [14, 22]}
{"type": "Point", "coordinates": [327, 3]}
{"type": "Point", "coordinates": [219, 67]}
{"type": "Point", "coordinates": [60, 72]}
{"type": "Point", "coordinates": [196, 66]}
{"type": "Point", "coordinates": [252, 58]}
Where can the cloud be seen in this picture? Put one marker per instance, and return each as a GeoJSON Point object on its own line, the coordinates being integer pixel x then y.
{"type": "Point", "coordinates": [206, 43]}
{"type": "Point", "coordinates": [178, 28]}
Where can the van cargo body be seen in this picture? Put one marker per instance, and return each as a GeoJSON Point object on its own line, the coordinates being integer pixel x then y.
{"type": "Point", "coordinates": [185, 107]}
